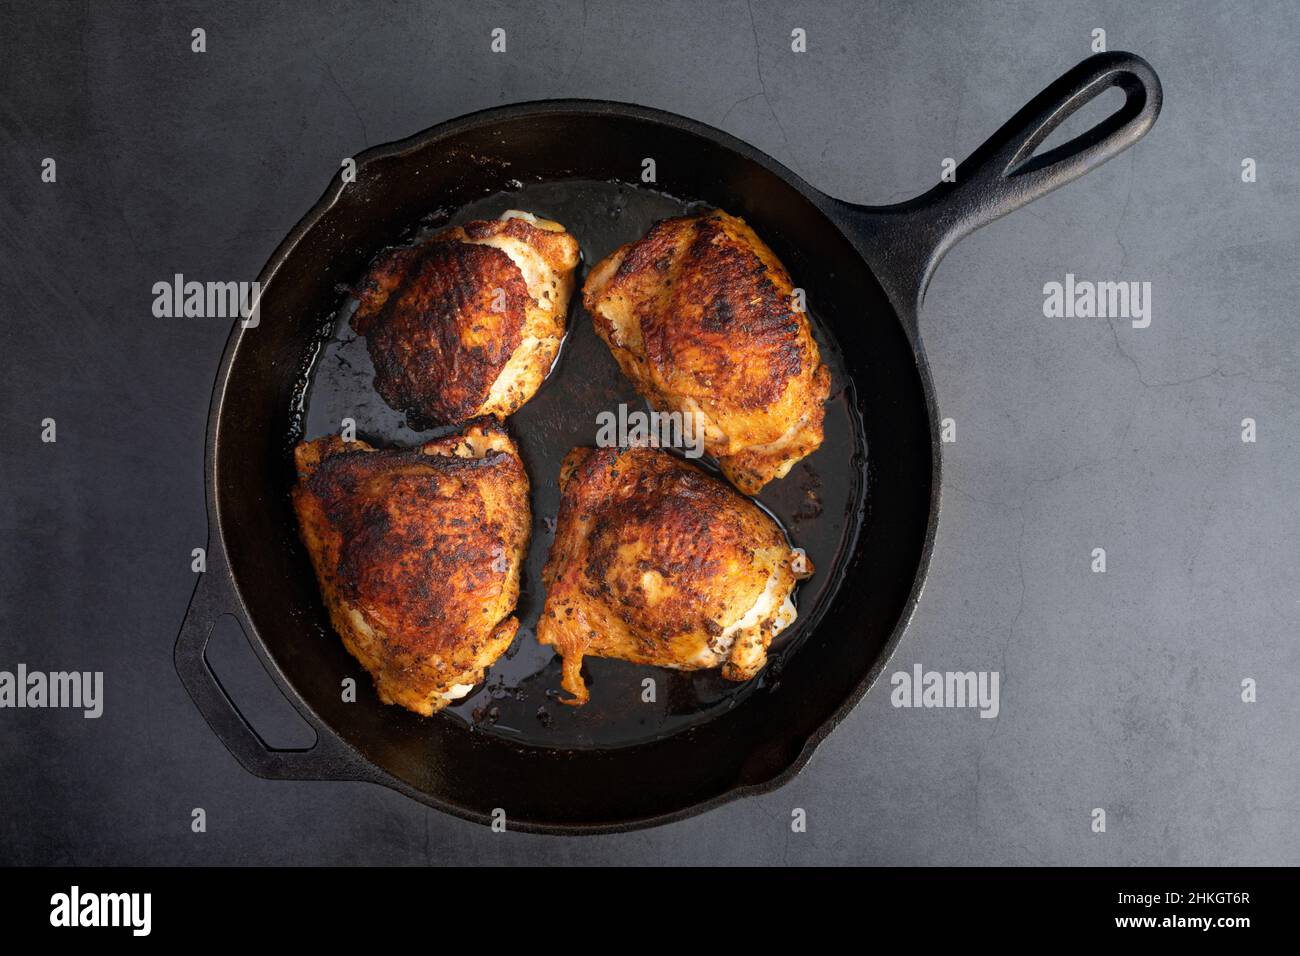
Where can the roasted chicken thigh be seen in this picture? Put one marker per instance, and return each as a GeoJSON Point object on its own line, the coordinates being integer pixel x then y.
{"type": "Point", "coordinates": [418, 553]}
{"type": "Point", "coordinates": [655, 562]}
{"type": "Point", "coordinates": [469, 321]}
{"type": "Point", "coordinates": [703, 319]}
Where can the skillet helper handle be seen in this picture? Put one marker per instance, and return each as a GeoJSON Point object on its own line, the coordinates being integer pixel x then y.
{"type": "Point", "coordinates": [214, 597]}
{"type": "Point", "coordinates": [909, 239]}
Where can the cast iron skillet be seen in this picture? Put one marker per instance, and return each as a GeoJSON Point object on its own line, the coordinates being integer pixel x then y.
{"type": "Point", "coordinates": [865, 271]}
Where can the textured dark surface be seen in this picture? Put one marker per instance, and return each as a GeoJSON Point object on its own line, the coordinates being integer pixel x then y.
{"type": "Point", "coordinates": [1120, 690]}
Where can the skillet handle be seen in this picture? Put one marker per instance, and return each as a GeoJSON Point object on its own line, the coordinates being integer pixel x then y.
{"type": "Point", "coordinates": [905, 243]}
{"type": "Point", "coordinates": [214, 597]}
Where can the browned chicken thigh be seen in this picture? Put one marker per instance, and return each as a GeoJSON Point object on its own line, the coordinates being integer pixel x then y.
{"type": "Point", "coordinates": [418, 553]}
{"type": "Point", "coordinates": [702, 317]}
{"type": "Point", "coordinates": [468, 322]}
{"type": "Point", "coordinates": [655, 562]}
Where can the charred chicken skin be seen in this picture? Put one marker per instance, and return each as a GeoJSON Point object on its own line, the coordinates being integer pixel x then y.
{"type": "Point", "coordinates": [657, 563]}
{"type": "Point", "coordinates": [703, 319]}
{"type": "Point", "coordinates": [418, 554]}
{"type": "Point", "coordinates": [468, 322]}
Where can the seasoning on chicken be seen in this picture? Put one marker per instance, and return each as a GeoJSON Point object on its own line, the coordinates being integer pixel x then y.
{"type": "Point", "coordinates": [418, 554]}
{"type": "Point", "coordinates": [655, 562]}
{"type": "Point", "coordinates": [703, 319]}
{"type": "Point", "coordinates": [468, 322]}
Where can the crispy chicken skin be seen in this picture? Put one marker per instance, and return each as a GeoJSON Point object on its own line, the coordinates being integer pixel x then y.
{"type": "Point", "coordinates": [468, 322]}
{"type": "Point", "coordinates": [656, 562]}
{"type": "Point", "coordinates": [701, 316]}
{"type": "Point", "coordinates": [418, 553]}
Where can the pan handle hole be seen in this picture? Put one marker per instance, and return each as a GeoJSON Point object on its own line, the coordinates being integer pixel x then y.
{"type": "Point", "coordinates": [251, 689]}
{"type": "Point", "coordinates": [1088, 116]}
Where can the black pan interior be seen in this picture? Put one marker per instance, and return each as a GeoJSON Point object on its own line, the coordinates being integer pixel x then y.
{"type": "Point", "coordinates": [618, 761]}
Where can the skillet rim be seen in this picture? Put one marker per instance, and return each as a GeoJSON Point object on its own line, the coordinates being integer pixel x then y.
{"type": "Point", "coordinates": [833, 210]}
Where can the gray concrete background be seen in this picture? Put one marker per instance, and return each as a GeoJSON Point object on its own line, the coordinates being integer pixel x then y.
{"type": "Point", "coordinates": [1120, 690]}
